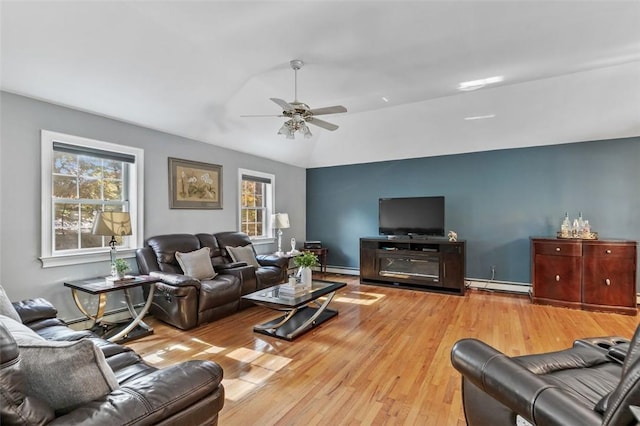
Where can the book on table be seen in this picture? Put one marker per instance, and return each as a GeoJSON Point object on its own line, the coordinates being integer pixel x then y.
{"type": "Point", "coordinates": [291, 290]}
{"type": "Point", "coordinates": [115, 280]}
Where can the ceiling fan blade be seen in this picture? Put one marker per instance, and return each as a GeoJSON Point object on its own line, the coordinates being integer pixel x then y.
{"type": "Point", "coordinates": [328, 110]}
{"type": "Point", "coordinates": [321, 123]}
{"type": "Point", "coordinates": [286, 106]}
{"type": "Point", "coordinates": [266, 115]}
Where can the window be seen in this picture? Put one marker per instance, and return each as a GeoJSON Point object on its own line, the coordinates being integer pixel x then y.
{"type": "Point", "coordinates": [256, 203]}
{"type": "Point", "coordinates": [81, 177]}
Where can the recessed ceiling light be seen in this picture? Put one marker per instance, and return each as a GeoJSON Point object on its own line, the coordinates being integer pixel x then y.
{"type": "Point", "coordinates": [480, 117]}
{"type": "Point", "coordinates": [478, 84]}
{"type": "Point", "coordinates": [384, 98]}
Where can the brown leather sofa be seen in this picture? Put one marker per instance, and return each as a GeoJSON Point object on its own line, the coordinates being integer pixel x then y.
{"type": "Point", "coordinates": [272, 270]}
{"type": "Point", "coordinates": [189, 393]}
{"type": "Point", "coordinates": [595, 382]}
{"type": "Point", "coordinates": [186, 302]}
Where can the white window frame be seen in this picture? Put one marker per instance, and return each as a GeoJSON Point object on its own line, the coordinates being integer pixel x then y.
{"type": "Point", "coordinates": [269, 236]}
{"type": "Point", "coordinates": [136, 203]}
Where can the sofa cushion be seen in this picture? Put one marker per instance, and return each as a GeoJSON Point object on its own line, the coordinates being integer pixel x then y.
{"type": "Point", "coordinates": [65, 375]}
{"type": "Point", "coordinates": [20, 332]}
{"type": "Point", "coordinates": [6, 308]}
{"type": "Point", "coordinates": [166, 246]}
{"type": "Point", "coordinates": [243, 254]}
{"type": "Point", "coordinates": [197, 264]}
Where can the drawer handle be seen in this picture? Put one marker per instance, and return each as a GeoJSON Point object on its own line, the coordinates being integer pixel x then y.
{"type": "Point", "coordinates": [607, 281]}
{"type": "Point", "coordinates": [557, 248]}
{"type": "Point", "coordinates": [608, 251]}
{"type": "Point", "coordinates": [558, 278]}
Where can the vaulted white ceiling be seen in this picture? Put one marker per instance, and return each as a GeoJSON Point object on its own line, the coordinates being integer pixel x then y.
{"type": "Point", "coordinates": [571, 71]}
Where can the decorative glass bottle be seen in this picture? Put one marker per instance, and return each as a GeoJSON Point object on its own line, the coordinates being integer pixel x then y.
{"type": "Point", "coordinates": [580, 223]}
{"type": "Point", "coordinates": [575, 228]}
{"type": "Point", "coordinates": [565, 228]}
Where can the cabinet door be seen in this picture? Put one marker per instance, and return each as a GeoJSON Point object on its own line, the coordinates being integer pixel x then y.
{"type": "Point", "coordinates": [609, 276]}
{"type": "Point", "coordinates": [557, 278]}
{"type": "Point", "coordinates": [368, 268]}
{"type": "Point", "coordinates": [452, 267]}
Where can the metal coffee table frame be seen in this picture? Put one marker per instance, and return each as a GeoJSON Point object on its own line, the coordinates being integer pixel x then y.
{"type": "Point", "coordinates": [302, 313]}
{"type": "Point", "coordinates": [115, 332]}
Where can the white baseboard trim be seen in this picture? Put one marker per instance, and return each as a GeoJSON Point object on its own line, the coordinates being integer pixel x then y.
{"type": "Point", "coordinates": [505, 286]}
{"type": "Point", "coordinates": [114, 316]}
{"type": "Point", "coordinates": [501, 286]}
{"type": "Point", "coordinates": [488, 285]}
{"type": "Point", "coordinates": [342, 270]}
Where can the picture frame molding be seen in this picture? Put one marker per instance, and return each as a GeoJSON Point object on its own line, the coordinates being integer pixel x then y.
{"type": "Point", "coordinates": [175, 201]}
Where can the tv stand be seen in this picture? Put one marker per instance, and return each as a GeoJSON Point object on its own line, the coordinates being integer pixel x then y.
{"type": "Point", "coordinates": [427, 264]}
{"type": "Point", "coordinates": [418, 237]}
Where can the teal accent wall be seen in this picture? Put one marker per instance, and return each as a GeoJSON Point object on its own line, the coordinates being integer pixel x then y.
{"type": "Point", "coordinates": [494, 200]}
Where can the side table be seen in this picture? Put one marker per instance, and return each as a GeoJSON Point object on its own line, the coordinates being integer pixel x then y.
{"type": "Point", "coordinates": [118, 332]}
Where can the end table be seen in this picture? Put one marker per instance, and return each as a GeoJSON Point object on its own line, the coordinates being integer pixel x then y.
{"type": "Point", "coordinates": [118, 332]}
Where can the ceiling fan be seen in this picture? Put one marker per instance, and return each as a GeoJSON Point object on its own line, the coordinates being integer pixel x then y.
{"type": "Point", "coordinates": [299, 113]}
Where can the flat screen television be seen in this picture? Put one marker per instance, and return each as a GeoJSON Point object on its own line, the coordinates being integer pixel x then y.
{"type": "Point", "coordinates": [412, 216]}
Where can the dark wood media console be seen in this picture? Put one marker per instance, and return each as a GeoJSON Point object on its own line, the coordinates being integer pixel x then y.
{"type": "Point", "coordinates": [414, 263]}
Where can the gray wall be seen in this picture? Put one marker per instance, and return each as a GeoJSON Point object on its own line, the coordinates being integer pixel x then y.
{"type": "Point", "coordinates": [495, 200]}
{"type": "Point", "coordinates": [21, 272]}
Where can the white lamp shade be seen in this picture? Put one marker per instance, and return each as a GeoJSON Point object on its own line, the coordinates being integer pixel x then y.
{"type": "Point", "coordinates": [280, 220]}
{"type": "Point", "coordinates": [112, 223]}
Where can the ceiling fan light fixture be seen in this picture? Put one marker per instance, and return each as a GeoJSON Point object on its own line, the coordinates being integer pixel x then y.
{"type": "Point", "coordinates": [305, 130]}
{"type": "Point", "coordinates": [284, 130]}
{"type": "Point", "coordinates": [295, 124]}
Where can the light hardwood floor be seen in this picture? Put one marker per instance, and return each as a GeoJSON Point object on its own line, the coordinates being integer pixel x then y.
{"type": "Point", "coordinates": [383, 360]}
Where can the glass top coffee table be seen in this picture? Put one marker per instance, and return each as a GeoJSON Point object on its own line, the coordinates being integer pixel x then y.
{"type": "Point", "coordinates": [302, 313]}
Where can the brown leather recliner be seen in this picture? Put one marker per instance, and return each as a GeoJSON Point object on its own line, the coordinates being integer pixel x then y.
{"type": "Point", "coordinates": [186, 302]}
{"type": "Point", "coordinates": [187, 393]}
{"type": "Point", "coordinates": [595, 382]}
{"type": "Point", "coordinates": [272, 270]}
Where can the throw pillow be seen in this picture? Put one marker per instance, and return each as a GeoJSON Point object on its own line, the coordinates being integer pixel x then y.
{"type": "Point", "coordinates": [6, 308]}
{"type": "Point", "coordinates": [16, 408]}
{"type": "Point", "coordinates": [197, 264]}
{"type": "Point", "coordinates": [20, 332]}
{"type": "Point", "coordinates": [243, 254]}
{"type": "Point", "coordinates": [66, 375]}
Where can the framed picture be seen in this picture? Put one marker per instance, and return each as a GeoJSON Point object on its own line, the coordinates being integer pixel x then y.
{"type": "Point", "coordinates": [194, 185]}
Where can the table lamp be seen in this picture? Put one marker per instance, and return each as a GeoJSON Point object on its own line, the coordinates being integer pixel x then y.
{"type": "Point", "coordinates": [280, 221]}
{"type": "Point", "coordinates": [112, 224]}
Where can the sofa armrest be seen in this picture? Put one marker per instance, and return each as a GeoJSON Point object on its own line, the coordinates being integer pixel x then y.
{"type": "Point", "coordinates": [147, 260]}
{"type": "Point", "coordinates": [35, 310]}
{"type": "Point", "coordinates": [272, 260]}
{"type": "Point", "coordinates": [244, 271]}
{"type": "Point", "coordinates": [527, 394]}
{"type": "Point", "coordinates": [226, 266]}
{"type": "Point", "coordinates": [156, 396]}
{"type": "Point", "coordinates": [176, 280]}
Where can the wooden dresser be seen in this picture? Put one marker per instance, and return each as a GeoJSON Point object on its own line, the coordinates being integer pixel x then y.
{"type": "Point", "coordinates": [598, 275]}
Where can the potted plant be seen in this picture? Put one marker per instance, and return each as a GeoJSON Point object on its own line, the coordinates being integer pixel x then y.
{"type": "Point", "coordinates": [305, 261]}
{"type": "Point", "coordinates": [120, 266]}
